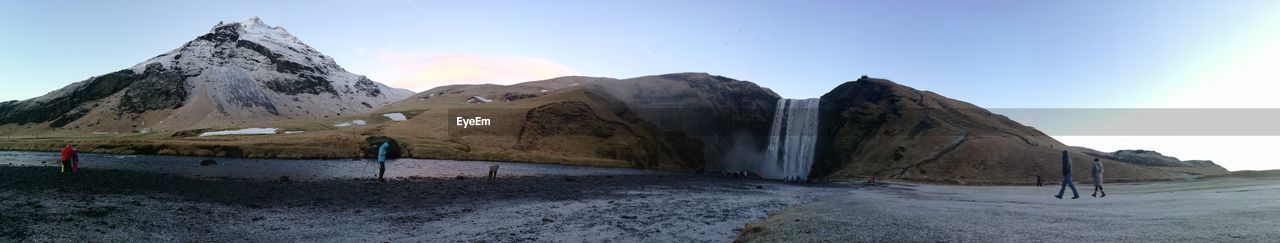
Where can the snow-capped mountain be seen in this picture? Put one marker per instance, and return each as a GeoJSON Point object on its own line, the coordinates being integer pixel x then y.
{"type": "Point", "coordinates": [239, 72]}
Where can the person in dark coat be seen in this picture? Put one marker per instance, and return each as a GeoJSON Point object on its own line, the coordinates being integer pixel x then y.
{"type": "Point", "coordinates": [1066, 177]}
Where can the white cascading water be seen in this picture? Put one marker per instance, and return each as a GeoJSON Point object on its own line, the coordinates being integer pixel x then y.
{"type": "Point", "coordinates": [792, 140]}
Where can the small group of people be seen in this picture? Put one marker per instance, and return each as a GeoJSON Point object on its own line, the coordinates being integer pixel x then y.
{"type": "Point", "coordinates": [69, 159]}
{"type": "Point", "coordinates": [797, 179]}
{"type": "Point", "coordinates": [740, 174]}
{"type": "Point", "coordinates": [1066, 178]}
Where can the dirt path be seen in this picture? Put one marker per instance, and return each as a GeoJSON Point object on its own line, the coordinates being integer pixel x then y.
{"type": "Point", "coordinates": [112, 205]}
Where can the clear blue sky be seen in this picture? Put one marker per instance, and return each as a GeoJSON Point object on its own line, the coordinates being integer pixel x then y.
{"type": "Point", "coordinates": [1020, 54]}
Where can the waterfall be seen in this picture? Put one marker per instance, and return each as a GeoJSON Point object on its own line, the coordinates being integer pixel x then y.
{"type": "Point", "coordinates": [792, 139]}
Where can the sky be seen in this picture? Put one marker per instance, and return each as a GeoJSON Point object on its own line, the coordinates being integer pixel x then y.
{"type": "Point", "coordinates": [995, 54]}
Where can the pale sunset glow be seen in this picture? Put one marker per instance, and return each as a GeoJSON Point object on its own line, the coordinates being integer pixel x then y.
{"type": "Point", "coordinates": [422, 71]}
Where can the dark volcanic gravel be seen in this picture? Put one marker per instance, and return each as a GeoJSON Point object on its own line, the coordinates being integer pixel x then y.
{"type": "Point", "coordinates": [38, 204]}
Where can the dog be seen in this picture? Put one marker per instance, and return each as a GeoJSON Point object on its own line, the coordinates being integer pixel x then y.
{"type": "Point", "coordinates": [493, 172]}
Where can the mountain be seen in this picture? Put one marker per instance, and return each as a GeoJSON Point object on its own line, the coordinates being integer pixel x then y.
{"type": "Point", "coordinates": [238, 73]}
{"type": "Point", "coordinates": [875, 127]}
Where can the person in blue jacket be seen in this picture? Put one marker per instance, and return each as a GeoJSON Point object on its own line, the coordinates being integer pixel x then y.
{"type": "Point", "coordinates": [382, 160]}
{"type": "Point", "coordinates": [1066, 177]}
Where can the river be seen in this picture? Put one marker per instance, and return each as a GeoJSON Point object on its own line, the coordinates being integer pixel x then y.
{"type": "Point", "coordinates": [309, 169]}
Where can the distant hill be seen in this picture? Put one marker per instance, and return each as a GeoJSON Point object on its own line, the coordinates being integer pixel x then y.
{"type": "Point", "coordinates": [1152, 158]}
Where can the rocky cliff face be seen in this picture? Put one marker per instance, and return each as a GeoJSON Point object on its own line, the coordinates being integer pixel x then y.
{"type": "Point", "coordinates": [874, 127]}
{"type": "Point", "coordinates": [73, 102]}
{"type": "Point", "coordinates": [237, 73]}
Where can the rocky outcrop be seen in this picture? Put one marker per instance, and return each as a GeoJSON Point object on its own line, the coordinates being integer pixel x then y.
{"type": "Point", "coordinates": [159, 88]}
{"type": "Point", "coordinates": [372, 144]}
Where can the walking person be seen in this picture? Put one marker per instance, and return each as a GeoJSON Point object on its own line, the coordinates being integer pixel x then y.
{"type": "Point", "coordinates": [1066, 177]}
{"type": "Point", "coordinates": [1039, 181]}
{"type": "Point", "coordinates": [1097, 178]}
{"type": "Point", "coordinates": [382, 160]}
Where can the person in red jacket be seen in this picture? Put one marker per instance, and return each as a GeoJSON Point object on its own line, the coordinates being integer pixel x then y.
{"type": "Point", "coordinates": [69, 159]}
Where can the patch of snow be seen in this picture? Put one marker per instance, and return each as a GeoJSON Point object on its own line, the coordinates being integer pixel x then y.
{"type": "Point", "coordinates": [395, 116]}
{"type": "Point", "coordinates": [350, 123]}
{"type": "Point", "coordinates": [292, 132]}
{"type": "Point", "coordinates": [478, 99]}
{"type": "Point", "coordinates": [544, 91]}
{"type": "Point", "coordinates": [246, 131]}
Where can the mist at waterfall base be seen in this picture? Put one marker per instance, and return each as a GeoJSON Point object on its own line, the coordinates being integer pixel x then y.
{"type": "Point", "coordinates": [791, 145]}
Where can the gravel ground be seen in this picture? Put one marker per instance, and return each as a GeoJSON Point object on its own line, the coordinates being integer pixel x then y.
{"type": "Point", "coordinates": [37, 204]}
{"type": "Point", "coordinates": [1212, 210]}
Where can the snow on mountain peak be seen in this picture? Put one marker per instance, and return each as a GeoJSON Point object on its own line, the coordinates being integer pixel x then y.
{"type": "Point", "coordinates": [252, 22]}
{"type": "Point", "coordinates": [268, 42]}
{"type": "Point", "coordinates": [253, 29]}
{"type": "Point", "coordinates": [247, 63]}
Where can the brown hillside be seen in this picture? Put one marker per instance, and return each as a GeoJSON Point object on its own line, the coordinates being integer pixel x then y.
{"type": "Point", "coordinates": [874, 127]}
